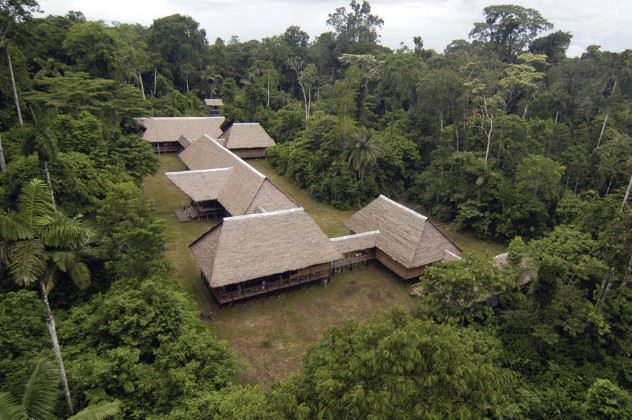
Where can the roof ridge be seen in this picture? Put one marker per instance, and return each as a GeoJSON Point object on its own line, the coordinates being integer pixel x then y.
{"type": "Point", "coordinates": [193, 171]}
{"type": "Point", "coordinates": [403, 207]}
{"type": "Point", "coordinates": [355, 235]}
{"type": "Point", "coordinates": [267, 214]}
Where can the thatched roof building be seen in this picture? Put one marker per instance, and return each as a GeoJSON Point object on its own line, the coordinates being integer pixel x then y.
{"type": "Point", "coordinates": [236, 186]}
{"type": "Point", "coordinates": [407, 241]}
{"type": "Point", "coordinates": [164, 132]}
{"type": "Point", "coordinates": [247, 140]}
{"type": "Point", "coordinates": [252, 254]}
{"type": "Point", "coordinates": [214, 102]}
{"type": "Point", "coordinates": [214, 106]}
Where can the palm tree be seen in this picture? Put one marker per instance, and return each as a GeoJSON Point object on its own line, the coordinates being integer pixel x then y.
{"type": "Point", "coordinates": [39, 395]}
{"type": "Point", "coordinates": [39, 140]}
{"type": "Point", "coordinates": [362, 151]}
{"type": "Point", "coordinates": [36, 244]}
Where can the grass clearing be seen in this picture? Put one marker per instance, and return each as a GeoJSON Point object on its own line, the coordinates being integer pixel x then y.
{"type": "Point", "coordinates": [272, 333]}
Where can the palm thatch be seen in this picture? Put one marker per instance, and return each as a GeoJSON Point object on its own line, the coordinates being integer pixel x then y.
{"type": "Point", "coordinates": [406, 236]}
{"type": "Point", "coordinates": [240, 192]}
{"type": "Point", "coordinates": [169, 129]}
{"type": "Point", "coordinates": [248, 247]}
{"type": "Point", "coordinates": [247, 136]}
{"type": "Point", "coordinates": [356, 242]}
{"type": "Point", "coordinates": [215, 102]}
{"type": "Point", "coordinates": [202, 184]}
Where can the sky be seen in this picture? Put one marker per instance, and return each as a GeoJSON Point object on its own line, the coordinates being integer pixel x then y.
{"type": "Point", "coordinates": [606, 22]}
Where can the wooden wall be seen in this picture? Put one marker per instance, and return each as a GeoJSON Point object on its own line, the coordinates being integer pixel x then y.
{"type": "Point", "coordinates": [397, 268]}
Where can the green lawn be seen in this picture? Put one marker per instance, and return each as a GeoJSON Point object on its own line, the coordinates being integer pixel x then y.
{"type": "Point", "coordinates": [271, 333]}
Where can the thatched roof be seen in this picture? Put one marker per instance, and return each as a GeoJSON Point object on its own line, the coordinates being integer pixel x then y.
{"type": "Point", "coordinates": [185, 141]}
{"type": "Point", "coordinates": [207, 153]}
{"type": "Point", "coordinates": [270, 198]}
{"type": "Point", "coordinates": [247, 136]}
{"type": "Point", "coordinates": [248, 247]}
{"type": "Point", "coordinates": [202, 184]}
{"type": "Point", "coordinates": [356, 242]}
{"type": "Point", "coordinates": [160, 129]}
{"type": "Point", "coordinates": [213, 102]}
{"type": "Point", "coordinates": [405, 235]}
{"type": "Point", "coordinates": [241, 192]}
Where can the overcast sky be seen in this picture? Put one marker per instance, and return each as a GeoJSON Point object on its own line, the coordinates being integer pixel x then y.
{"type": "Point", "coordinates": [604, 22]}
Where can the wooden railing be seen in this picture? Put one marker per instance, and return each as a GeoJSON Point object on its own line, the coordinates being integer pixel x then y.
{"type": "Point", "coordinates": [267, 287]}
{"type": "Point", "coordinates": [337, 266]}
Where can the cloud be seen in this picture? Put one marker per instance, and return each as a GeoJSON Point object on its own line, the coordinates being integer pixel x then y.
{"type": "Point", "coordinates": [438, 22]}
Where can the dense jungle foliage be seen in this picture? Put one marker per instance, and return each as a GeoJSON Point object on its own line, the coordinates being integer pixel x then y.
{"type": "Point", "coordinates": [501, 134]}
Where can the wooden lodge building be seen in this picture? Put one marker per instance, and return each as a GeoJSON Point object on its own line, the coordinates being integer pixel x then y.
{"type": "Point", "coordinates": [249, 255]}
{"type": "Point", "coordinates": [165, 133]}
{"type": "Point", "coordinates": [265, 242]}
{"type": "Point", "coordinates": [220, 183]}
{"type": "Point", "coordinates": [407, 240]}
{"type": "Point", "coordinates": [214, 106]}
{"type": "Point", "coordinates": [247, 140]}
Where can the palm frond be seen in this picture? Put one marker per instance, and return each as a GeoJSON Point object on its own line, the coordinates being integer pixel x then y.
{"type": "Point", "coordinates": [65, 232]}
{"type": "Point", "coordinates": [80, 274]}
{"type": "Point", "coordinates": [9, 410]}
{"type": "Point", "coordinates": [12, 229]}
{"type": "Point", "coordinates": [27, 261]}
{"type": "Point", "coordinates": [99, 411]}
{"type": "Point", "coordinates": [41, 390]}
{"type": "Point", "coordinates": [64, 260]}
{"type": "Point", "coordinates": [34, 201]}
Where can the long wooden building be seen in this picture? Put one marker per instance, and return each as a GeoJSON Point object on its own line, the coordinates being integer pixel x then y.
{"type": "Point", "coordinates": [164, 133]}
{"type": "Point", "coordinates": [249, 255]}
{"type": "Point", "coordinates": [220, 183]}
{"type": "Point", "coordinates": [247, 140]}
{"type": "Point", "coordinates": [407, 240]}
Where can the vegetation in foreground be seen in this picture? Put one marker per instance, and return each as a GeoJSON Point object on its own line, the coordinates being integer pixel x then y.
{"type": "Point", "coordinates": [502, 134]}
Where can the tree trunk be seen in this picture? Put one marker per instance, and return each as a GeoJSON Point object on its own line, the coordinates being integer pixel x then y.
{"type": "Point", "coordinates": [14, 86]}
{"type": "Point", "coordinates": [186, 80]}
{"type": "Point", "coordinates": [50, 184]}
{"type": "Point", "coordinates": [524, 113]}
{"type": "Point", "coordinates": [142, 87]}
{"type": "Point", "coordinates": [603, 128]}
{"type": "Point", "coordinates": [609, 184]}
{"type": "Point", "coordinates": [489, 138]}
{"type": "Point", "coordinates": [557, 115]}
{"type": "Point", "coordinates": [3, 163]}
{"type": "Point", "coordinates": [627, 195]}
{"type": "Point", "coordinates": [52, 331]}
{"type": "Point", "coordinates": [155, 81]}
{"type": "Point", "coordinates": [456, 132]}
{"type": "Point", "coordinates": [268, 98]}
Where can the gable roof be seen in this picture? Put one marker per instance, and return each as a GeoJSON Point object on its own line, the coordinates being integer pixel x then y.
{"type": "Point", "coordinates": [241, 191]}
{"type": "Point", "coordinates": [247, 136]}
{"type": "Point", "coordinates": [213, 102]}
{"type": "Point", "coordinates": [159, 129]}
{"type": "Point", "coordinates": [202, 184]}
{"type": "Point", "coordinates": [405, 235]}
{"type": "Point", "coordinates": [207, 153]}
{"type": "Point", "coordinates": [247, 247]}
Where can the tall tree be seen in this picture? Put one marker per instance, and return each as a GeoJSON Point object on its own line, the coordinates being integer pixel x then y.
{"type": "Point", "coordinates": [356, 28]}
{"type": "Point", "coordinates": [509, 28]}
{"type": "Point", "coordinates": [39, 243]}
{"type": "Point", "coordinates": [178, 41]}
